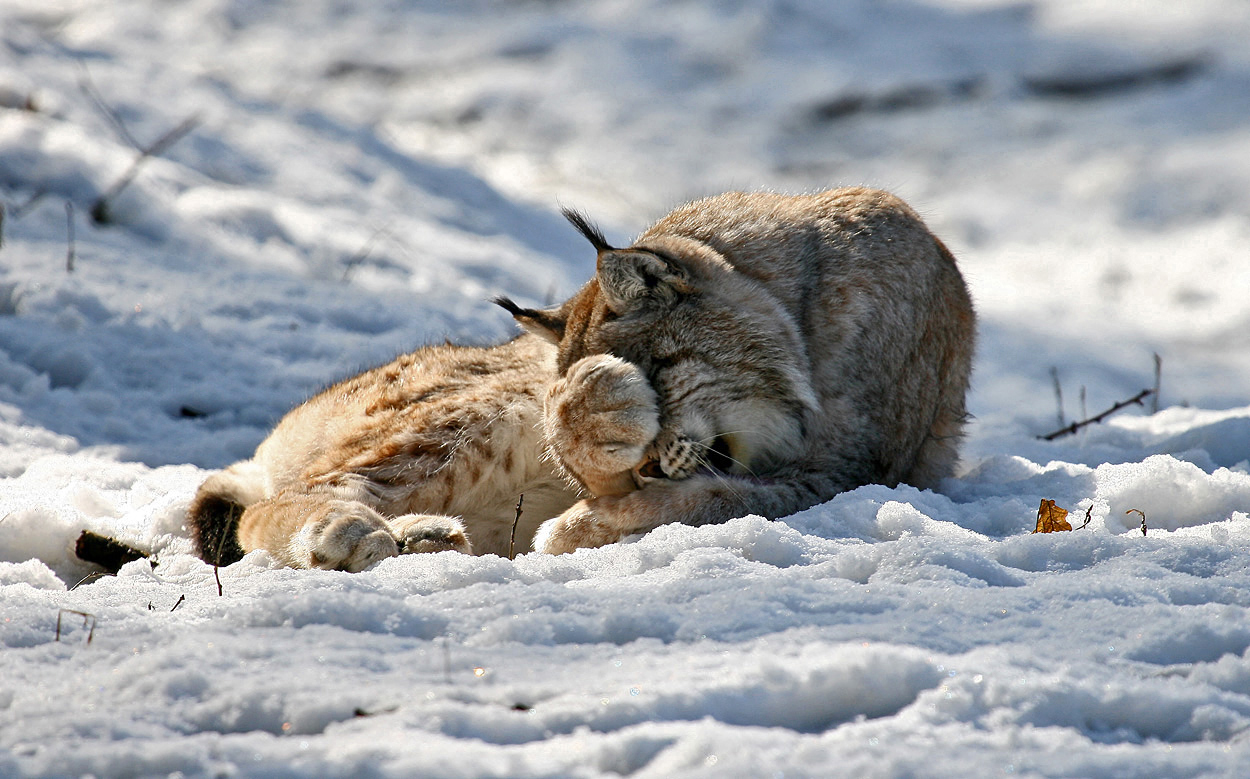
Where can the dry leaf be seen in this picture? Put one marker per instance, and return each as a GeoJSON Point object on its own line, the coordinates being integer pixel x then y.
{"type": "Point", "coordinates": [1051, 518]}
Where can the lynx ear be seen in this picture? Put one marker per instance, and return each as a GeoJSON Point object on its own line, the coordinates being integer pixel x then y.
{"type": "Point", "coordinates": [547, 323]}
{"type": "Point", "coordinates": [627, 276]}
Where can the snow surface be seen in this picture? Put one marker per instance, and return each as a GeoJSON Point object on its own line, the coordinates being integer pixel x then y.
{"type": "Point", "coordinates": [363, 177]}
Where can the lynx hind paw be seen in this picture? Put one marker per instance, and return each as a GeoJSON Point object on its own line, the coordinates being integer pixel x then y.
{"type": "Point", "coordinates": [345, 536]}
{"type": "Point", "coordinates": [577, 528]}
{"type": "Point", "coordinates": [423, 533]}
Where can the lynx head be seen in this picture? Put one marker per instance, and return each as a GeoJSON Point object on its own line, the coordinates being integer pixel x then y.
{"type": "Point", "coordinates": [724, 357]}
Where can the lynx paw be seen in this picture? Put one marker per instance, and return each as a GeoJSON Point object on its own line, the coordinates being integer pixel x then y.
{"type": "Point", "coordinates": [576, 528]}
{"type": "Point", "coordinates": [599, 420]}
{"type": "Point", "coordinates": [422, 533]}
{"type": "Point", "coordinates": [344, 536]}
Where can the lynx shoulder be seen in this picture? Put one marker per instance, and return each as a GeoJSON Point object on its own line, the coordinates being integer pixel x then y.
{"type": "Point", "coordinates": [747, 354]}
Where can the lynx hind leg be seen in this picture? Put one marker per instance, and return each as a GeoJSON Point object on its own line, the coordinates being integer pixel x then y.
{"type": "Point", "coordinates": [318, 531]}
{"type": "Point", "coordinates": [422, 533]}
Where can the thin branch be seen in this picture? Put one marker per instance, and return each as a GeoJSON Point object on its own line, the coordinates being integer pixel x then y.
{"type": "Point", "coordinates": [1154, 399]}
{"type": "Point", "coordinates": [87, 619]}
{"type": "Point", "coordinates": [515, 521]}
{"type": "Point", "coordinates": [19, 211]}
{"type": "Point", "coordinates": [1075, 426]}
{"type": "Point", "coordinates": [100, 209]}
{"type": "Point", "coordinates": [365, 250]}
{"type": "Point", "coordinates": [69, 229]}
{"type": "Point", "coordinates": [1054, 377]}
{"type": "Point", "coordinates": [1088, 510]}
{"type": "Point", "coordinates": [88, 88]}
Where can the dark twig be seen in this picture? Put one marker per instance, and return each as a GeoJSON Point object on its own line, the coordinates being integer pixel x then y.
{"type": "Point", "coordinates": [1154, 399]}
{"type": "Point", "coordinates": [1143, 518]}
{"type": "Point", "coordinates": [363, 254]}
{"type": "Point", "coordinates": [1054, 377]}
{"type": "Point", "coordinates": [221, 544]}
{"type": "Point", "coordinates": [1088, 510]}
{"type": "Point", "coordinates": [69, 229]}
{"type": "Point", "coordinates": [92, 575]}
{"type": "Point", "coordinates": [515, 521]}
{"type": "Point", "coordinates": [19, 211]}
{"type": "Point", "coordinates": [100, 209]}
{"type": "Point", "coordinates": [87, 619]}
{"type": "Point", "coordinates": [1075, 426]}
{"type": "Point", "coordinates": [87, 85]}
{"type": "Point", "coordinates": [181, 598]}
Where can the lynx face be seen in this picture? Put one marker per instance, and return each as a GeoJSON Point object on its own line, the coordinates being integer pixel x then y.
{"type": "Point", "coordinates": [727, 365]}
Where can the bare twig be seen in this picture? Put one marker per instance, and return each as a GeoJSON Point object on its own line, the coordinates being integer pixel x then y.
{"type": "Point", "coordinates": [1054, 377]}
{"type": "Point", "coordinates": [1143, 518]}
{"type": "Point", "coordinates": [1, 225]}
{"type": "Point", "coordinates": [88, 88]}
{"type": "Point", "coordinates": [35, 197]}
{"type": "Point", "coordinates": [100, 209]}
{"type": "Point", "coordinates": [515, 521]}
{"type": "Point", "coordinates": [1154, 399]}
{"type": "Point", "coordinates": [221, 544]}
{"type": "Point", "coordinates": [87, 619]}
{"type": "Point", "coordinates": [1075, 426]}
{"type": "Point", "coordinates": [1088, 510]}
{"type": "Point", "coordinates": [92, 575]}
{"type": "Point", "coordinates": [363, 254]}
{"type": "Point", "coordinates": [181, 598]}
{"type": "Point", "coordinates": [69, 229]}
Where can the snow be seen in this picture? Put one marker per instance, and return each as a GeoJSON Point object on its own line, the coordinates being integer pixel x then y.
{"type": "Point", "coordinates": [362, 178]}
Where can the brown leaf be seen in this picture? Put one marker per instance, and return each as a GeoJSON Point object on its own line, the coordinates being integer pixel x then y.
{"type": "Point", "coordinates": [1051, 518]}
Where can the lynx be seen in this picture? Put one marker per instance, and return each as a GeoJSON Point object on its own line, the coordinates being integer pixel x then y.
{"type": "Point", "coordinates": [748, 354]}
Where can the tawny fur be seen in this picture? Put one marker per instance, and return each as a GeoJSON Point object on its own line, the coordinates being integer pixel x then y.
{"type": "Point", "coordinates": [748, 354]}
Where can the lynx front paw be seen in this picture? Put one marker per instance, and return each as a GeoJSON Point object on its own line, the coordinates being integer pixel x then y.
{"type": "Point", "coordinates": [423, 533]}
{"type": "Point", "coordinates": [577, 528]}
{"type": "Point", "coordinates": [599, 420]}
{"type": "Point", "coordinates": [345, 536]}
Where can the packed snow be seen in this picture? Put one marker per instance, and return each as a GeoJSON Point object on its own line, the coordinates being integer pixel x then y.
{"type": "Point", "coordinates": [342, 182]}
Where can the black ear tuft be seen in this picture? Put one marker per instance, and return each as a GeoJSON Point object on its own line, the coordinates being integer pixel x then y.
{"type": "Point", "coordinates": [592, 233]}
{"type": "Point", "coordinates": [507, 305]}
{"type": "Point", "coordinates": [546, 323]}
